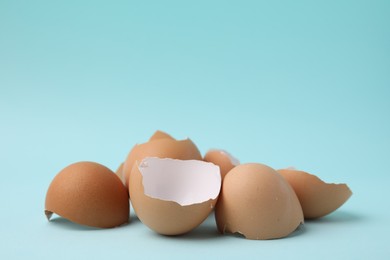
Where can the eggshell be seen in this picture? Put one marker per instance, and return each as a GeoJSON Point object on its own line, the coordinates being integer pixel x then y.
{"type": "Point", "coordinates": [89, 194]}
{"type": "Point", "coordinates": [160, 135]}
{"type": "Point", "coordinates": [223, 159]}
{"type": "Point", "coordinates": [172, 197]}
{"type": "Point", "coordinates": [258, 203]}
{"type": "Point", "coordinates": [162, 148]}
{"type": "Point", "coordinates": [119, 173]}
{"type": "Point", "coordinates": [316, 197]}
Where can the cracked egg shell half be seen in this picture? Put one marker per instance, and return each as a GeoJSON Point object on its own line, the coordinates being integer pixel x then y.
{"type": "Point", "coordinates": [317, 198]}
{"type": "Point", "coordinates": [162, 148]}
{"type": "Point", "coordinates": [258, 203]}
{"type": "Point", "coordinates": [172, 197]}
{"type": "Point", "coordinates": [223, 159]}
{"type": "Point", "coordinates": [90, 194]}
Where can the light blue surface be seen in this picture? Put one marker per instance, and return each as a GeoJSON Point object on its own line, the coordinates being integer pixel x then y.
{"type": "Point", "coordinates": [295, 83]}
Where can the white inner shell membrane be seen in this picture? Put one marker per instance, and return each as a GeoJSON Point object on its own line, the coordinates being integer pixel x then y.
{"type": "Point", "coordinates": [185, 182]}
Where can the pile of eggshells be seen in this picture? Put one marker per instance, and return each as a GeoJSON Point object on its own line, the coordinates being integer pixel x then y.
{"type": "Point", "coordinates": [173, 190]}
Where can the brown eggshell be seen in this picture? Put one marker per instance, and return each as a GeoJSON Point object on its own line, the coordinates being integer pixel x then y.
{"type": "Point", "coordinates": [316, 197]}
{"type": "Point", "coordinates": [162, 148]}
{"type": "Point", "coordinates": [258, 203]}
{"type": "Point", "coordinates": [89, 194]}
{"type": "Point", "coordinates": [160, 135]}
{"type": "Point", "coordinates": [223, 159]}
{"type": "Point", "coordinates": [119, 173]}
{"type": "Point", "coordinates": [164, 216]}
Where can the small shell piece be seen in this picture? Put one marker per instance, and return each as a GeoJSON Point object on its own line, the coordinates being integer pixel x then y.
{"type": "Point", "coordinates": [317, 198]}
{"type": "Point", "coordinates": [258, 203]}
{"type": "Point", "coordinates": [171, 196]}
{"type": "Point", "coordinates": [89, 194]}
{"type": "Point", "coordinates": [223, 159]}
{"type": "Point", "coordinates": [160, 135]}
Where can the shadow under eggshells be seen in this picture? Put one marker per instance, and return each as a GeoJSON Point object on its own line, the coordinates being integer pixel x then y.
{"type": "Point", "coordinates": [69, 225]}
{"type": "Point", "coordinates": [297, 232]}
{"type": "Point", "coordinates": [133, 218]}
{"type": "Point", "coordinates": [202, 232]}
{"type": "Point", "coordinates": [339, 216]}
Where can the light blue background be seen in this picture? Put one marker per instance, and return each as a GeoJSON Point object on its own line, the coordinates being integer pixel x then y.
{"type": "Point", "coordinates": [286, 83]}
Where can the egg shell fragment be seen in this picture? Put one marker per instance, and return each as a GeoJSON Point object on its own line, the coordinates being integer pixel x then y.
{"type": "Point", "coordinates": [119, 173]}
{"type": "Point", "coordinates": [223, 159]}
{"type": "Point", "coordinates": [160, 135]}
{"type": "Point", "coordinates": [258, 203]}
{"type": "Point", "coordinates": [162, 148]}
{"type": "Point", "coordinates": [172, 197]}
{"type": "Point", "coordinates": [317, 198]}
{"type": "Point", "coordinates": [90, 194]}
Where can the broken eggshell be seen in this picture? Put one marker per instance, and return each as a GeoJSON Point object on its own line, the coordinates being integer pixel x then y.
{"type": "Point", "coordinates": [160, 135]}
{"type": "Point", "coordinates": [162, 148]}
{"type": "Point", "coordinates": [317, 198]}
{"type": "Point", "coordinates": [119, 173]}
{"type": "Point", "coordinates": [172, 196]}
{"type": "Point", "coordinates": [257, 202]}
{"type": "Point", "coordinates": [90, 194]}
{"type": "Point", "coordinates": [223, 159]}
